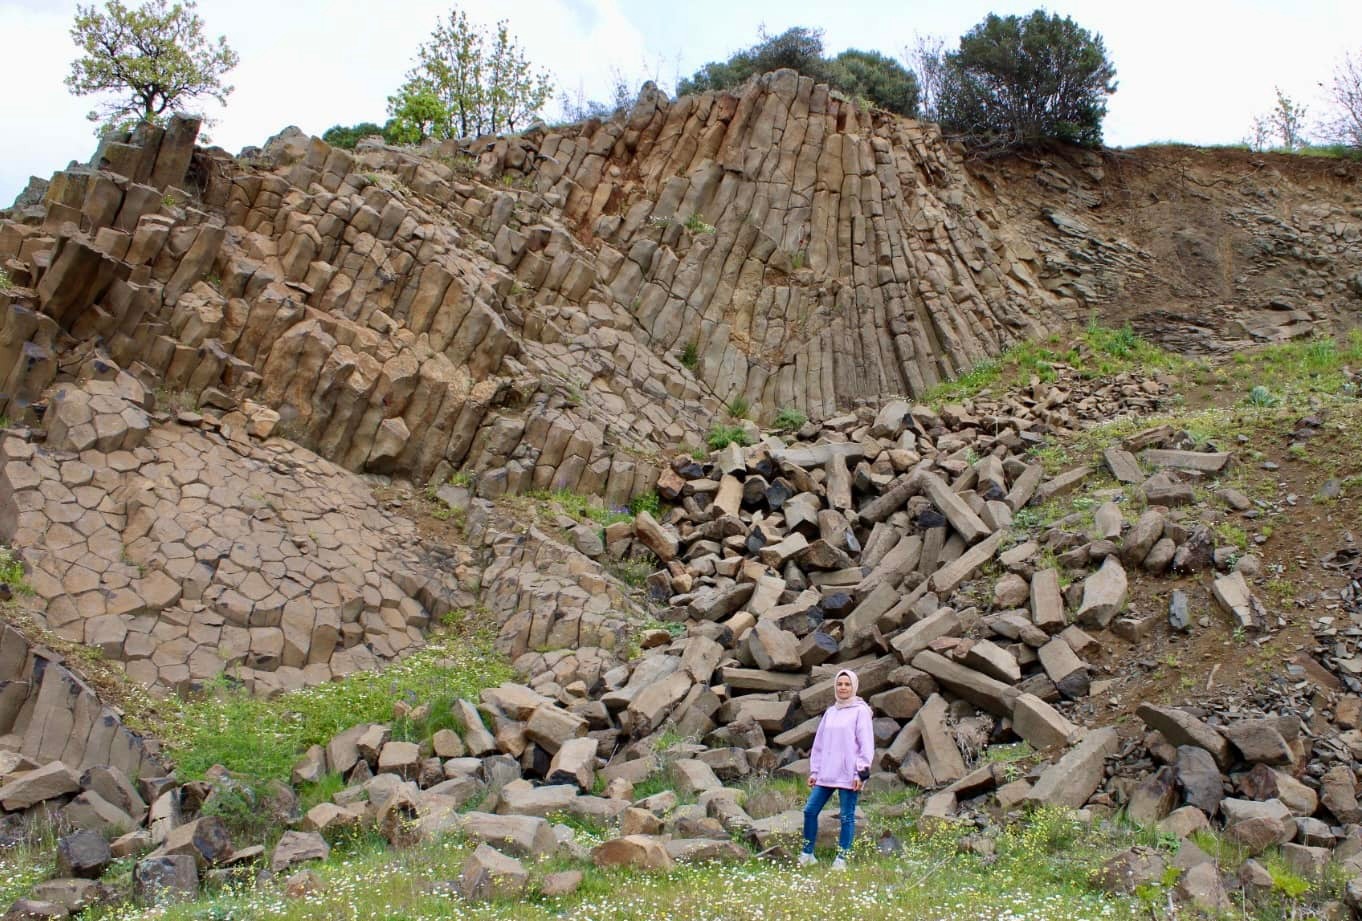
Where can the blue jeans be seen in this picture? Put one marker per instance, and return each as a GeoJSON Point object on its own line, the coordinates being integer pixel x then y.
{"type": "Point", "coordinates": [846, 802]}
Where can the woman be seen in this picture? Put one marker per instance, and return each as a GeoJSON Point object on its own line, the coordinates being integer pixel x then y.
{"type": "Point", "coordinates": [840, 760]}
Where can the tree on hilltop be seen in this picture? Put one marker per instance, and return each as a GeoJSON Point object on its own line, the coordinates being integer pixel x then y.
{"type": "Point", "coordinates": [478, 85]}
{"type": "Point", "coordinates": [1015, 81]}
{"type": "Point", "coordinates": [868, 75]}
{"type": "Point", "coordinates": [155, 58]}
{"type": "Point", "coordinates": [1343, 122]}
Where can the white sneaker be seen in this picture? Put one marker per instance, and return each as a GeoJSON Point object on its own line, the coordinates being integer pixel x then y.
{"type": "Point", "coordinates": [839, 864]}
{"type": "Point", "coordinates": [806, 860]}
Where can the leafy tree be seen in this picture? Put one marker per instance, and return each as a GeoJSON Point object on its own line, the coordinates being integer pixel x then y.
{"type": "Point", "coordinates": [797, 48]}
{"type": "Point", "coordinates": [880, 80]}
{"type": "Point", "coordinates": [1343, 124]}
{"type": "Point", "coordinates": [463, 84]}
{"type": "Point", "coordinates": [1285, 125]}
{"type": "Point", "coordinates": [154, 57]}
{"type": "Point", "coordinates": [868, 75]}
{"type": "Point", "coordinates": [418, 113]}
{"type": "Point", "coordinates": [1016, 81]}
{"type": "Point", "coordinates": [926, 59]}
{"type": "Point", "coordinates": [577, 108]}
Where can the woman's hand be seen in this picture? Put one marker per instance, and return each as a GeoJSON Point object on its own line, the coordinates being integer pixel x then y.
{"type": "Point", "coordinates": [856, 784]}
{"type": "Point", "coordinates": [811, 780]}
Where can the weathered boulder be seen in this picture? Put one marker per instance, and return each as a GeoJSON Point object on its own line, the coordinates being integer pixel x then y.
{"type": "Point", "coordinates": [488, 874]}
{"type": "Point", "coordinates": [297, 847]}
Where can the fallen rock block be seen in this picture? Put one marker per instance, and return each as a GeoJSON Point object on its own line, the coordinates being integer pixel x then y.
{"type": "Point", "coordinates": [27, 788]}
{"type": "Point", "coordinates": [1235, 597]}
{"type": "Point", "coordinates": [489, 874]}
{"type": "Point", "coordinates": [1104, 594]}
{"type": "Point", "coordinates": [83, 854]}
{"type": "Point", "coordinates": [161, 880]}
{"type": "Point", "coordinates": [517, 835]}
{"type": "Point", "coordinates": [982, 691]}
{"type": "Point", "coordinates": [637, 852]}
{"type": "Point", "coordinates": [1181, 728]}
{"type": "Point", "coordinates": [1202, 462]}
{"type": "Point", "coordinates": [1073, 779]}
{"type": "Point", "coordinates": [297, 847]}
{"type": "Point", "coordinates": [1040, 724]}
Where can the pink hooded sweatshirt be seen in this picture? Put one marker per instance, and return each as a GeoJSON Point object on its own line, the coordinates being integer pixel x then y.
{"type": "Point", "coordinates": [844, 743]}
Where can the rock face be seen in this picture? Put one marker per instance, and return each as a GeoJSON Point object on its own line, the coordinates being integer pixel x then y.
{"type": "Point", "coordinates": [402, 316]}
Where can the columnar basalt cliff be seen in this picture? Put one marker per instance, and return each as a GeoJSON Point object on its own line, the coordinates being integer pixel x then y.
{"type": "Point", "coordinates": [522, 306]}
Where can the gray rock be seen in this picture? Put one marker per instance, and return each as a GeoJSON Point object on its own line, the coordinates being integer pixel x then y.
{"type": "Point", "coordinates": [83, 854]}
{"type": "Point", "coordinates": [160, 880]}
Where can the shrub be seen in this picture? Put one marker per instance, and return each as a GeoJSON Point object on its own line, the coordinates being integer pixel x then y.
{"type": "Point", "coordinates": [12, 573]}
{"type": "Point", "coordinates": [737, 407]}
{"type": "Point", "coordinates": [721, 436]}
{"type": "Point", "coordinates": [690, 356]}
{"type": "Point", "coordinates": [648, 502]}
{"type": "Point", "coordinates": [790, 419]}
{"type": "Point", "coordinates": [696, 224]}
{"type": "Point", "coordinates": [876, 78]}
{"type": "Point", "coordinates": [346, 137]}
{"type": "Point", "coordinates": [1261, 396]}
{"type": "Point", "coordinates": [1016, 81]}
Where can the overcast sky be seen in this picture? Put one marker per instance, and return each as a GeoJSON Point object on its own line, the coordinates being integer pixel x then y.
{"type": "Point", "coordinates": [1188, 70]}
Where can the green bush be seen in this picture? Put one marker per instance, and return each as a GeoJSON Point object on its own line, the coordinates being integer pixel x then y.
{"type": "Point", "coordinates": [1016, 81]}
{"type": "Point", "coordinates": [690, 356]}
{"type": "Point", "coordinates": [649, 502]}
{"type": "Point", "coordinates": [738, 407]}
{"type": "Point", "coordinates": [12, 573]}
{"type": "Point", "coordinates": [790, 419]}
{"type": "Point", "coordinates": [346, 137]}
{"type": "Point", "coordinates": [721, 436]}
{"type": "Point", "coordinates": [868, 75]}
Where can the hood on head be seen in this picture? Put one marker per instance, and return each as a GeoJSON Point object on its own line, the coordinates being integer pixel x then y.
{"type": "Point", "coordinates": [855, 682]}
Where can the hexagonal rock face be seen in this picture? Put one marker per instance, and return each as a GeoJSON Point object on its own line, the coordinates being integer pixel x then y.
{"type": "Point", "coordinates": [183, 553]}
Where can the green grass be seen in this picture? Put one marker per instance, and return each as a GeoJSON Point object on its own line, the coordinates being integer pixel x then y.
{"type": "Point", "coordinates": [737, 407]}
{"type": "Point", "coordinates": [1098, 351]}
{"type": "Point", "coordinates": [12, 573]}
{"type": "Point", "coordinates": [28, 862]}
{"type": "Point", "coordinates": [1041, 872]}
{"type": "Point", "coordinates": [6, 283]}
{"type": "Point", "coordinates": [721, 436]}
{"type": "Point", "coordinates": [690, 356]}
{"type": "Point", "coordinates": [649, 502]}
{"type": "Point", "coordinates": [633, 571]}
{"type": "Point", "coordinates": [1329, 151]}
{"type": "Point", "coordinates": [261, 739]}
{"type": "Point", "coordinates": [588, 508]}
{"type": "Point", "coordinates": [696, 224]}
{"type": "Point", "coordinates": [1291, 370]}
{"type": "Point", "coordinates": [790, 419]}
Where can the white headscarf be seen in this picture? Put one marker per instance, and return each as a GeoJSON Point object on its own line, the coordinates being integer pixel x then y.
{"type": "Point", "coordinates": [851, 701]}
